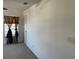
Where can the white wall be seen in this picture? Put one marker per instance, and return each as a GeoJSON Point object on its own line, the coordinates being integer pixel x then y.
{"type": "Point", "coordinates": [12, 12]}
{"type": "Point", "coordinates": [21, 28]}
{"type": "Point", "coordinates": [50, 26]}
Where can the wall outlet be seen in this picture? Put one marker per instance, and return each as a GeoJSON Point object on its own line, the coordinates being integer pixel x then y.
{"type": "Point", "coordinates": [71, 39]}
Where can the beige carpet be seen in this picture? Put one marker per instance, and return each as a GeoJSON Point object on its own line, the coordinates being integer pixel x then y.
{"type": "Point", "coordinates": [17, 51]}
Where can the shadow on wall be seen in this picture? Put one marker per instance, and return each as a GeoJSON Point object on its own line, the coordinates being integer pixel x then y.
{"type": "Point", "coordinates": [40, 2]}
{"type": "Point", "coordinates": [36, 2]}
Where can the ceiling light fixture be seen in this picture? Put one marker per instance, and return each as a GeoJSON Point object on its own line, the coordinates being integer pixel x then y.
{"type": "Point", "coordinates": [25, 3]}
{"type": "Point", "coordinates": [5, 8]}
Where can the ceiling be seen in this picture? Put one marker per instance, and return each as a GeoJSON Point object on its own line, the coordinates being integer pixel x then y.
{"type": "Point", "coordinates": [18, 4]}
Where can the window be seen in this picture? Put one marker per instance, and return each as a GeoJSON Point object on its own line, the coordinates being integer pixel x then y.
{"type": "Point", "coordinates": [12, 29]}
{"type": "Point", "coordinates": [5, 29]}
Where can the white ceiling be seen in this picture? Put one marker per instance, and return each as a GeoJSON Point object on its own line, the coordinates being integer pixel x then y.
{"type": "Point", "coordinates": [18, 4]}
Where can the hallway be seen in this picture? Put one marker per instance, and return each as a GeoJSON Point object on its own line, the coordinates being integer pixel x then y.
{"type": "Point", "coordinates": [45, 26]}
{"type": "Point", "coordinates": [17, 51]}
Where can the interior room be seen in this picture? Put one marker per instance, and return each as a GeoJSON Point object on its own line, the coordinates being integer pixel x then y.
{"type": "Point", "coordinates": [39, 29]}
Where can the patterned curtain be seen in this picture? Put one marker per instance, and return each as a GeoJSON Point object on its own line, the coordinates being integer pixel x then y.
{"type": "Point", "coordinates": [11, 19]}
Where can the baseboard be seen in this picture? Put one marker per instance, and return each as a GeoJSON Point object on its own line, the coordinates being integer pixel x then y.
{"type": "Point", "coordinates": [31, 51]}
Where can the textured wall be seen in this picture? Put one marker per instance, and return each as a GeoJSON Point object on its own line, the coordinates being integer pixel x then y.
{"type": "Point", "coordinates": [50, 26]}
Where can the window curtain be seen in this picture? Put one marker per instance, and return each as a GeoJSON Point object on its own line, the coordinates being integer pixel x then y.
{"type": "Point", "coordinates": [9, 20]}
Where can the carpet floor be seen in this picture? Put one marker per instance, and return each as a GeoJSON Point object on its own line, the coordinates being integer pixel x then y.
{"type": "Point", "coordinates": [17, 51]}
